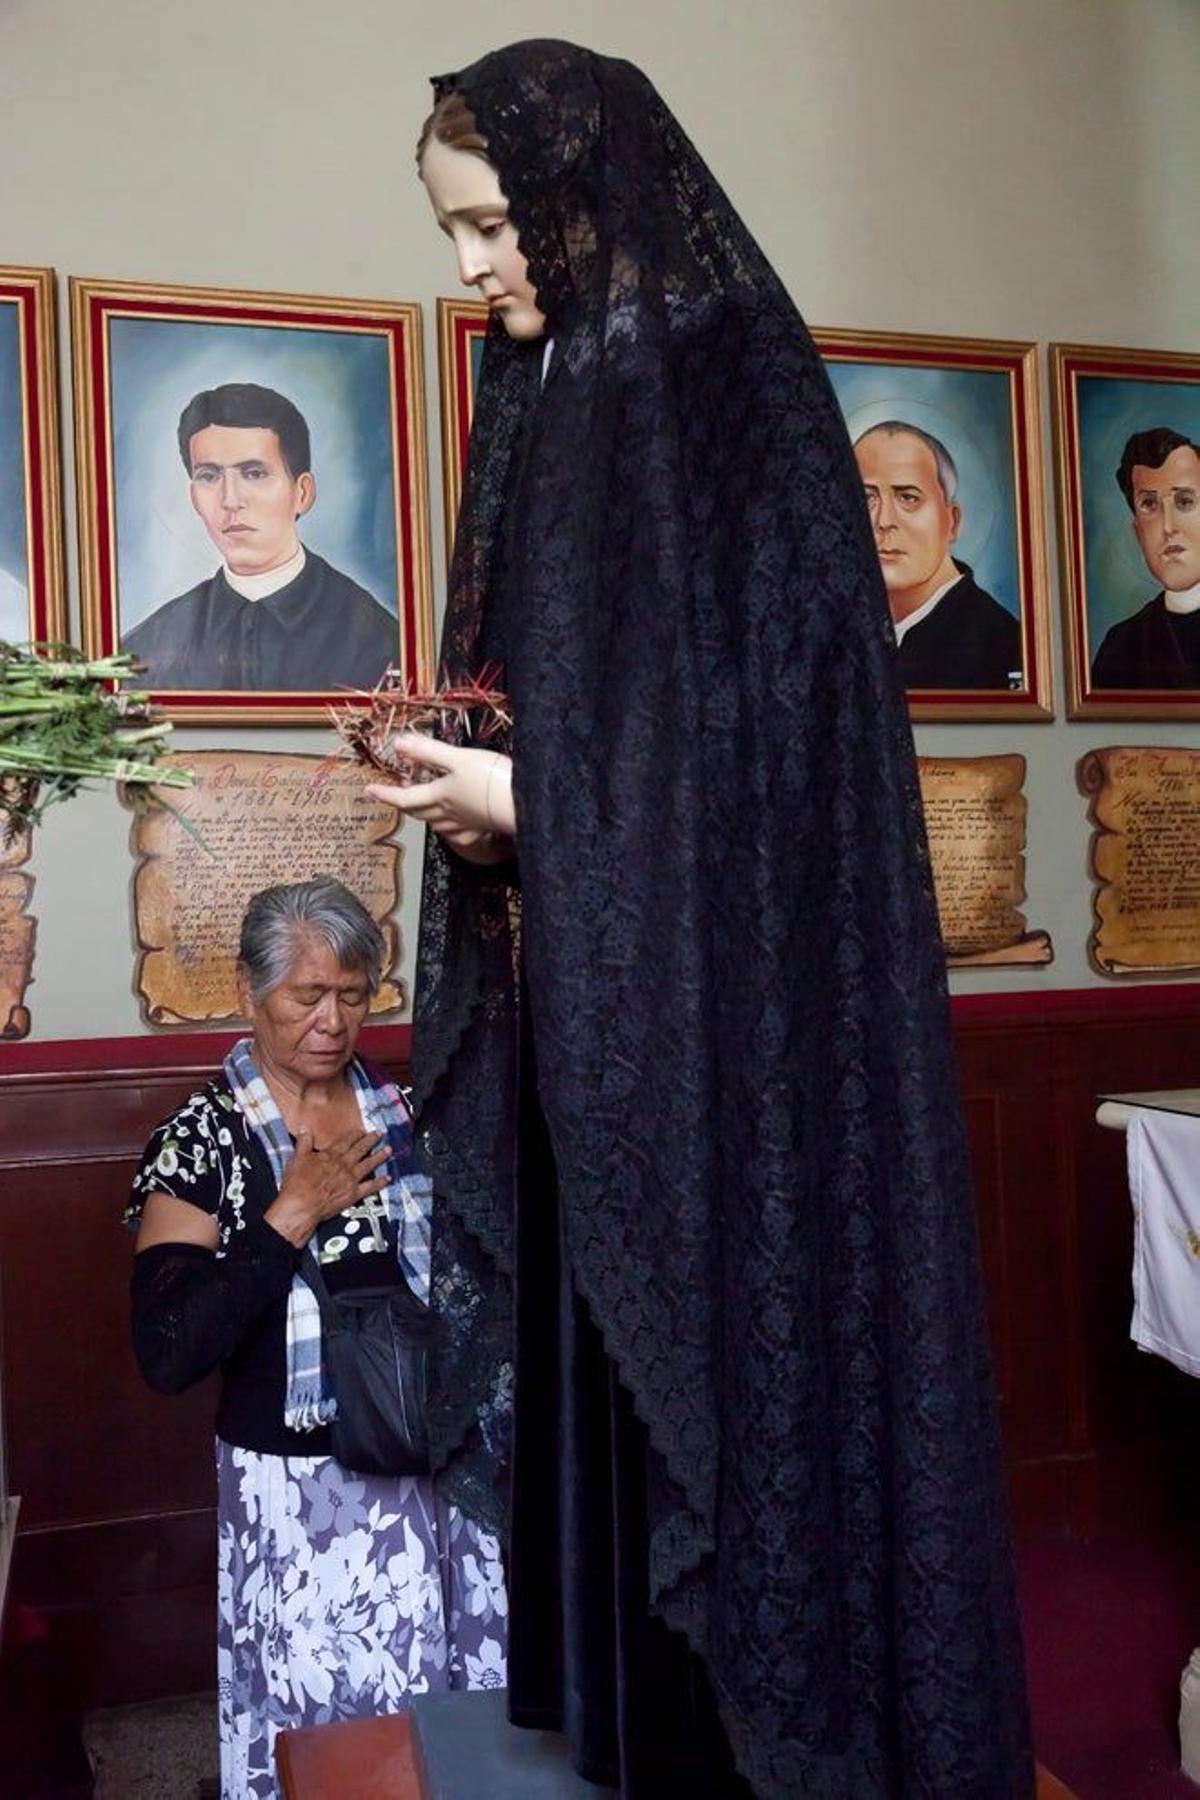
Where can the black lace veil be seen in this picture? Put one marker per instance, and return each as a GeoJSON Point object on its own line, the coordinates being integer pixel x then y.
{"type": "Point", "coordinates": [732, 968]}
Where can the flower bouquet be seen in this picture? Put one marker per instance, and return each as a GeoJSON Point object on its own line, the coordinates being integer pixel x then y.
{"type": "Point", "coordinates": [63, 722]}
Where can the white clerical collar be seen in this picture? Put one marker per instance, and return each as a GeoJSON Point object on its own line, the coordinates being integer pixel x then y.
{"type": "Point", "coordinates": [260, 587]}
{"type": "Point", "coordinates": [1186, 602]}
{"type": "Point", "coordinates": [923, 611]}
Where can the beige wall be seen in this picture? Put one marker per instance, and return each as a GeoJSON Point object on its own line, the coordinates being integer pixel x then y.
{"type": "Point", "coordinates": [1025, 169]}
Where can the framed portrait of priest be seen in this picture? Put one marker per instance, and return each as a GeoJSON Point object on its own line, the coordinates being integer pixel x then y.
{"type": "Point", "coordinates": [31, 567]}
{"type": "Point", "coordinates": [462, 326]}
{"type": "Point", "coordinates": [1127, 463]}
{"type": "Point", "coordinates": [253, 508]}
{"type": "Point", "coordinates": [947, 437]}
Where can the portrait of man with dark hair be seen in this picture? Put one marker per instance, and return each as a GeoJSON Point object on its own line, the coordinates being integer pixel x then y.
{"type": "Point", "coordinates": [951, 633]}
{"type": "Point", "coordinates": [274, 615]}
{"type": "Point", "coordinates": [1159, 646]}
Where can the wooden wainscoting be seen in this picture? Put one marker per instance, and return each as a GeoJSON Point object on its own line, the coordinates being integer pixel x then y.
{"type": "Point", "coordinates": [1091, 1426]}
{"type": "Point", "coordinates": [116, 1548]}
{"type": "Point", "coordinates": [116, 1542]}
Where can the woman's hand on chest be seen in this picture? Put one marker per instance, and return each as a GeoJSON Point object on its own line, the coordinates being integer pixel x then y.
{"type": "Point", "coordinates": [321, 1183]}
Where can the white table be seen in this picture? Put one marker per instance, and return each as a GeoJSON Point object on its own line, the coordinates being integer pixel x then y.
{"type": "Point", "coordinates": [1114, 1109]}
{"type": "Point", "coordinates": [8, 1532]}
{"type": "Point", "coordinates": [1114, 1112]}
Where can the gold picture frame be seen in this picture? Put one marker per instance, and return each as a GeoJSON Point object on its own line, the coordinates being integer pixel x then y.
{"type": "Point", "coordinates": [1115, 411]}
{"type": "Point", "coordinates": [351, 370]}
{"type": "Point", "coordinates": [32, 588]}
{"type": "Point", "coordinates": [461, 327]}
{"type": "Point", "coordinates": [977, 400]}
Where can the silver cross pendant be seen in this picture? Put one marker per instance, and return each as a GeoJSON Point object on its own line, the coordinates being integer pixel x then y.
{"type": "Point", "coordinates": [374, 1210]}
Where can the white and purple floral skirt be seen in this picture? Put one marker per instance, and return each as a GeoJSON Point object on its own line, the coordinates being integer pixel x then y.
{"type": "Point", "coordinates": [341, 1595]}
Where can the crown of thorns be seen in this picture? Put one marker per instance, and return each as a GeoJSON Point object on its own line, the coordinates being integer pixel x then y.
{"type": "Point", "coordinates": [476, 711]}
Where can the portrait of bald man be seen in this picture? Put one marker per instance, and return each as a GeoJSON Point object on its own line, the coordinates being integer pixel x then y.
{"type": "Point", "coordinates": [950, 632]}
{"type": "Point", "coordinates": [1159, 647]}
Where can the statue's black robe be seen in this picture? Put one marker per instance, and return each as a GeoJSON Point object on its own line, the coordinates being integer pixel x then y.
{"type": "Point", "coordinates": [1153, 649]}
{"type": "Point", "coordinates": [695, 1126]}
{"type": "Point", "coordinates": [320, 632]}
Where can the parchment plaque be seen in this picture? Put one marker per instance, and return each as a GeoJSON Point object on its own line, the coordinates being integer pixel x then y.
{"type": "Point", "coordinates": [1145, 806]}
{"type": "Point", "coordinates": [975, 818]}
{"type": "Point", "coordinates": [18, 932]}
{"type": "Point", "coordinates": [253, 819]}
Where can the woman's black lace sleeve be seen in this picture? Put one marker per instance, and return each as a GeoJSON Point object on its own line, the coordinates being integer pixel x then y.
{"type": "Point", "coordinates": [192, 1308]}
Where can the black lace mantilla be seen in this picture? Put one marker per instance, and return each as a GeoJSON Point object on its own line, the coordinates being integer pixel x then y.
{"type": "Point", "coordinates": [733, 970]}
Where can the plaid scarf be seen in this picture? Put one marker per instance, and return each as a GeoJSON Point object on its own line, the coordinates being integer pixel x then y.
{"type": "Point", "coordinates": [407, 1197]}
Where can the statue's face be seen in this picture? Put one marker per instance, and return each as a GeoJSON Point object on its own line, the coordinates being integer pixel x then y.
{"type": "Point", "coordinates": [468, 204]}
{"type": "Point", "coordinates": [249, 501]}
{"type": "Point", "coordinates": [1166, 518]}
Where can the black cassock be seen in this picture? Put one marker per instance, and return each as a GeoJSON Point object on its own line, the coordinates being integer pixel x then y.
{"type": "Point", "coordinates": [687, 1090]}
{"type": "Point", "coordinates": [1153, 649]}
{"type": "Point", "coordinates": [968, 641]}
{"type": "Point", "coordinates": [320, 632]}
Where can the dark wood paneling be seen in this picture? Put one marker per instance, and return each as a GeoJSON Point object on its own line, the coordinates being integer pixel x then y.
{"type": "Point", "coordinates": [87, 1439]}
{"type": "Point", "coordinates": [130, 1603]}
{"type": "Point", "coordinates": [116, 1549]}
{"type": "Point", "coordinates": [1090, 1423]}
{"type": "Point", "coordinates": [116, 1546]}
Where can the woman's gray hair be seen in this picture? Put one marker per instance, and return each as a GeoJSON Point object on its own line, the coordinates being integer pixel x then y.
{"type": "Point", "coordinates": [278, 918]}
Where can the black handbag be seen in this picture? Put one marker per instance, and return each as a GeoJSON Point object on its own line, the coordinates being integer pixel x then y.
{"type": "Point", "coordinates": [374, 1359]}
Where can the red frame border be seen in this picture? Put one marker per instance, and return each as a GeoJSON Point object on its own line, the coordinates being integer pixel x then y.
{"type": "Point", "coordinates": [236, 705]}
{"type": "Point", "coordinates": [466, 331]}
{"type": "Point", "coordinates": [1071, 361]}
{"type": "Point", "coordinates": [180, 1049]}
{"type": "Point", "coordinates": [202, 1050]}
{"type": "Point", "coordinates": [33, 292]}
{"type": "Point", "coordinates": [460, 323]}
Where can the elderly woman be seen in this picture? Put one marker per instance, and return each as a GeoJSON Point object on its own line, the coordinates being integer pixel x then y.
{"type": "Point", "coordinates": [340, 1594]}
